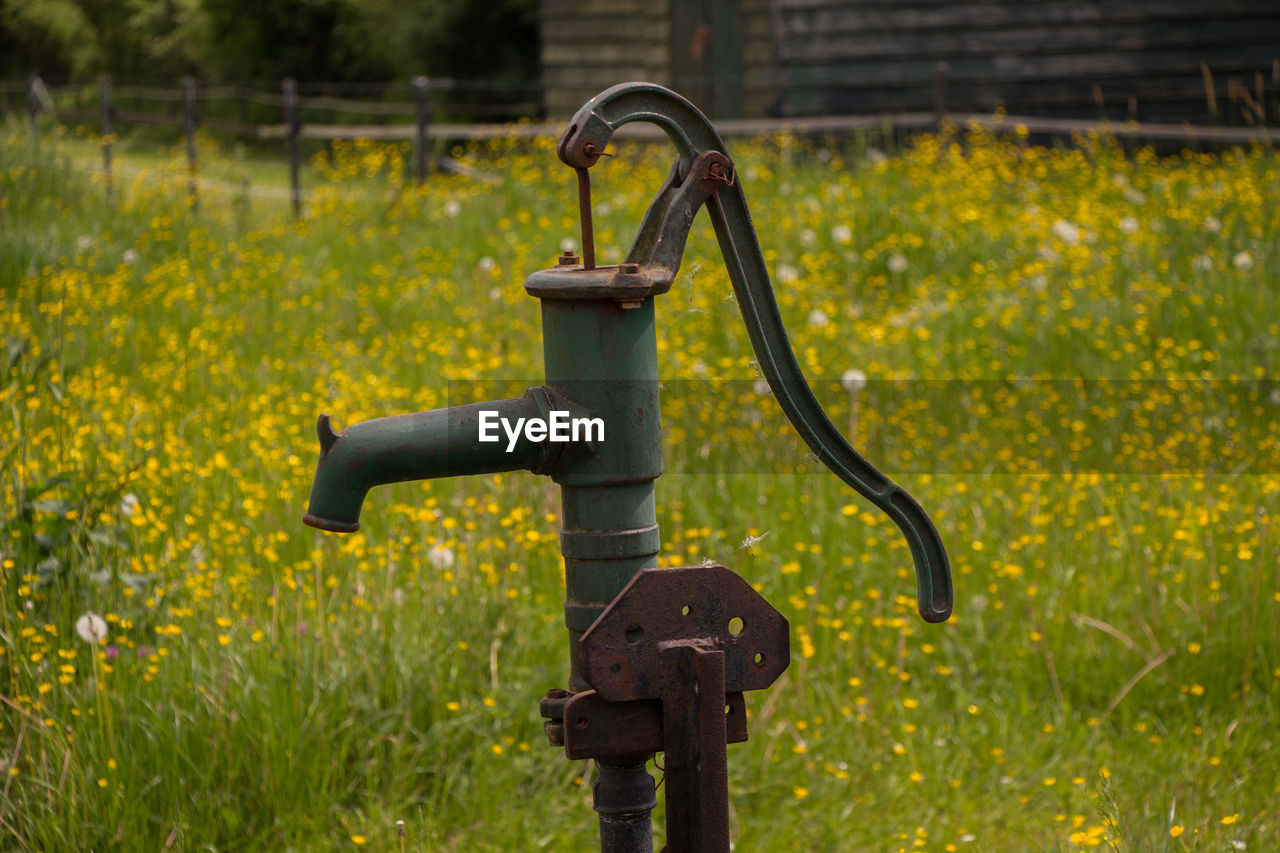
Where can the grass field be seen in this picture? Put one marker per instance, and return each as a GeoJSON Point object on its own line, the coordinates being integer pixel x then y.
{"type": "Point", "coordinates": [1072, 359]}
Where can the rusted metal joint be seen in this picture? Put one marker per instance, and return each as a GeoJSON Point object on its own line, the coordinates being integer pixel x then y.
{"type": "Point", "coordinates": [669, 659]}
{"type": "Point", "coordinates": [552, 710]}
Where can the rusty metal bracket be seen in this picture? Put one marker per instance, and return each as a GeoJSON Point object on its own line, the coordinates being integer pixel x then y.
{"type": "Point", "coordinates": [686, 641]}
{"type": "Point", "coordinates": [708, 605]}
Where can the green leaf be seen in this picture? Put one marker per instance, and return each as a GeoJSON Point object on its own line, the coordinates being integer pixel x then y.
{"type": "Point", "coordinates": [17, 347]}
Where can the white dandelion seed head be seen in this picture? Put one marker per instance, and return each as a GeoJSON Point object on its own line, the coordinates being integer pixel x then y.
{"type": "Point", "coordinates": [83, 242]}
{"type": "Point", "coordinates": [808, 237]}
{"type": "Point", "coordinates": [130, 256]}
{"type": "Point", "coordinates": [853, 380]}
{"type": "Point", "coordinates": [1212, 224]}
{"type": "Point", "coordinates": [440, 557]}
{"type": "Point", "coordinates": [129, 504]}
{"type": "Point", "coordinates": [818, 318]}
{"type": "Point", "coordinates": [567, 245]}
{"type": "Point", "coordinates": [1242, 260]}
{"type": "Point", "coordinates": [92, 628]}
{"type": "Point", "coordinates": [787, 274]}
{"type": "Point", "coordinates": [761, 387]}
{"type": "Point", "coordinates": [842, 234]}
{"type": "Point", "coordinates": [1066, 232]}
{"type": "Point", "coordinates": [897, 263]}
{"type": "Point", "coordinates": [452, 208]}
{"type": "Point", "coordinates": [751, 541]}
{"type": "Point", "coordinates": [1129, 225]}
{"type": "Point", "coordinates": [486, 263]}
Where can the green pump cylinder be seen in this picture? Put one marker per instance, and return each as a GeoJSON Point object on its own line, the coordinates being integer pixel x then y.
{"type": "Point", "coordinates": [604, 357]}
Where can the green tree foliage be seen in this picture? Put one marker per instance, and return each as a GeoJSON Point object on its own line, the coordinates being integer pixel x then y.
{"type": "Point", "coordinates": [265, 40]}
{"type": "Point", "coordinates": [496, 40]}
{"type": "Point", "coordinates": [332, 40]}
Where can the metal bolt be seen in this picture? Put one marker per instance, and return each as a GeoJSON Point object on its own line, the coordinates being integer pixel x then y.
{"type": "Point", "coordinates": [568, 259]}
{"type": "Point", "coordinates": [552, 709]}
{"type": "Point", "coordinates": [629, 269]}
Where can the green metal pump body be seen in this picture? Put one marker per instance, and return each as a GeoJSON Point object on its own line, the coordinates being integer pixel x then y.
{"type": "Point", "coordinates": [600, 354]}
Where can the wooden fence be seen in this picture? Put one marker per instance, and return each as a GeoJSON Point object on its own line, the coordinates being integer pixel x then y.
{"type": "Point", "coordinates": [291, 117]}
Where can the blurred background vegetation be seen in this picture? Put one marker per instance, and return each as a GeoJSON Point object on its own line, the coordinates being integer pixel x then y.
{"type": "Point", "coordinates": [240, 41]}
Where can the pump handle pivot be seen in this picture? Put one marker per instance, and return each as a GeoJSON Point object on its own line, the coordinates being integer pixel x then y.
{"type": "Point", "coordinates": [693, 135]}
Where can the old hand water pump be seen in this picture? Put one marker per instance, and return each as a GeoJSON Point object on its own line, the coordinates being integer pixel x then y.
{"type": "Point", "coordinates": [659, 658]}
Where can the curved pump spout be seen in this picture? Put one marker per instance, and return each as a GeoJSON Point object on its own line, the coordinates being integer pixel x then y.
{"type": "Point", "coordinates": [438, 443]}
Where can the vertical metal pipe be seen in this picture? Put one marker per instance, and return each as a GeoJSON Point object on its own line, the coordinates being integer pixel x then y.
{"type": "Point", "coordinates": [104, 88]}
{"type": "Point", "coordinates": [422, 115]}
{"type": "Point", "coordinates": [584, 215]}
{"type": "Point", "coordinates": [33, 111]}
{"type": "Point", "coordinates": [189, 123]}
{"type": "Point", "coordinates": [623, 796]}
{"type": "Point", "coordinates": [292, 128]}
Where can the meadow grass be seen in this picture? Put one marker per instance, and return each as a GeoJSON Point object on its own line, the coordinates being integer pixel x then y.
{"type": "Point", "coordinates": [1071, 360]}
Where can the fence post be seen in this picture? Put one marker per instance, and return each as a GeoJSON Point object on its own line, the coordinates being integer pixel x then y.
{"type": "Point", "coordinates": [422, 112]}
{"type": "Point", "coordinates": [939, 90]}
{"type": "Point", "coordinates": [33, 110]}
{"type": "Point", "coordinates": [189, 120]}
{"type": "Point", "coordinates": [104, 90]}
{"type": "Point", "coordinates": [292, 128]}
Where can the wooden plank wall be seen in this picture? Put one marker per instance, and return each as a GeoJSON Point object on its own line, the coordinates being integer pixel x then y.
{"type": "Point", "coordinates": [1139, 58]}
{"type": "Point", "coordinates": [589, 45]}
{"type": "Point", "coordinates": [759, 73]}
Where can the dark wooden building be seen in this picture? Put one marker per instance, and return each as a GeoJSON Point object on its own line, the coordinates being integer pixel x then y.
{"type": "Point", "coordinates": [1154, 60]}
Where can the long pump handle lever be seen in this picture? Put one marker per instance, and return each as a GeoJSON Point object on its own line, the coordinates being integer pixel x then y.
{"type": "Point", "coordinates": [693, 134]}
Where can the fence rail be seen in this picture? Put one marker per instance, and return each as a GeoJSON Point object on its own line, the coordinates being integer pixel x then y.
{"type": "Point", "coordinates": [68, 102]}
